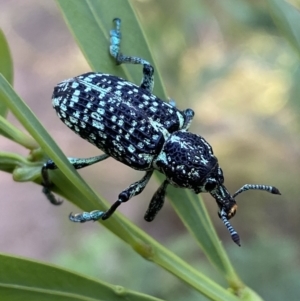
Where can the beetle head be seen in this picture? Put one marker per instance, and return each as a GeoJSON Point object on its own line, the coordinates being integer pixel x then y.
{"type": "Point", "coordinates": [214, 184]}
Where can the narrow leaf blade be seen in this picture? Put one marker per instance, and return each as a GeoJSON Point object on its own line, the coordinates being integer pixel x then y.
{"type": "Point", "coordinates": [287, 19]}
{"type": "Point", "coordinates": [6, 66]}
{"type": "Point", "coordinates": [26, 279]}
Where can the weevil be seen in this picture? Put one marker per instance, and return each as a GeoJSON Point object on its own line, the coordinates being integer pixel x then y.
{"type": "Point", "coordinates": [130, 124]}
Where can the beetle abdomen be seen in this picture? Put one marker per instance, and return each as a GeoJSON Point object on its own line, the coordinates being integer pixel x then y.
{"type": "Point", "coordinates": [160, 111]}
{"type": "Point", "coordinates": [111, 123]}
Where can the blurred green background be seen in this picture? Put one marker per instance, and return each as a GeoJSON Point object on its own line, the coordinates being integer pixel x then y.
{"type": "Point", "coordinates": [225, 59]}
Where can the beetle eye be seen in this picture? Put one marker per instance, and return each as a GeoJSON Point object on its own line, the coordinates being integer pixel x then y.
{"type": "Point", "coordinates": [210, 186]}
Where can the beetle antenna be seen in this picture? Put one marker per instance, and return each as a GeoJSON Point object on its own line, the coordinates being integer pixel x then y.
{"type": "Point", "coordinates": [234, 235]}
{"type": "Point", "coordinates": [246, 187]}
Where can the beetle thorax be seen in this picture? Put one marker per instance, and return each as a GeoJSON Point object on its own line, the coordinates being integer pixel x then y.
{"type": "Point", "coordinates": [186, 160]}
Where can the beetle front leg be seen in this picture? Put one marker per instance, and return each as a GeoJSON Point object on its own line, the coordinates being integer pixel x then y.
{"type": "Point", "coordinates": [50, 165]}
{"type": "Point", "coordinates": [133, 190]}
{"type": "Point", "coordinates": [156, 202]}
{"type": "Point", "coordinates": [114, 49]}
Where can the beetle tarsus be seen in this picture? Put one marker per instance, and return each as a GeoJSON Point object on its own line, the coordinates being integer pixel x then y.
{"type": "Point", "coordinates": [86, 216]}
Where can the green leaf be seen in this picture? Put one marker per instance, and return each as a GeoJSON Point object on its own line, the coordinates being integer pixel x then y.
{"type": "Point", "coordinates": [6, 66]}
{"type": "Point", "coordinates": [11, 132]}
{"type": "Point", "coordinates": [24, 279]}
{"type": "Point", "coordinates": [287, 19]}
{"type": "Point", "coordinates": [22, 169]}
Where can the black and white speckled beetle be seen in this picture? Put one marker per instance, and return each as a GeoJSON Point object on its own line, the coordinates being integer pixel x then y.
{"type": "Point", "coordinates": [130, 124]}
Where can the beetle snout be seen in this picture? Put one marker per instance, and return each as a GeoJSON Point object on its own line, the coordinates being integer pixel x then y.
{"type": "Point", "coordinates": [230, 212]}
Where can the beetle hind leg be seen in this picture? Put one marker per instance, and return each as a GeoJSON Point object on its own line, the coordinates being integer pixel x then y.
{"type": "Point", "coordinates": [133, 190]}
{"type": "Point", "coordinates": [114, 49]}
{"type": "Point", "coordinates": [50, 165]}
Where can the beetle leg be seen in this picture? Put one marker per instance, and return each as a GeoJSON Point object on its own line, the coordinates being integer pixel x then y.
{"type": "Point", "coordinates": [172, 102]}
{"type": "Point", "coordinates": [114, 49]}
{"type": "Point", "coordinates": [133, 190]}
{"type": "Point", "coordinates": [50, 165]}
{"type": "Point", "coordinates": [156, 202]}
{"type": "Point", "coordinates": [189, 115]}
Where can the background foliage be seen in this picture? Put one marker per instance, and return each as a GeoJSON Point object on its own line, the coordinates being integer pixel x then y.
{"type": "Point", "coordinates": [228, 61]}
